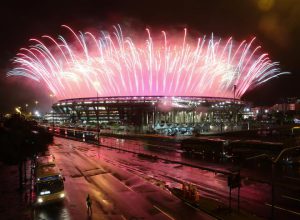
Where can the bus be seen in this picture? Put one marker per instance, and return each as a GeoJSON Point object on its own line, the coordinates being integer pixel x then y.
{"type": "Point", "coordinates": [44, 161]}
{"type": "Point", "coordinates": [49, 183]}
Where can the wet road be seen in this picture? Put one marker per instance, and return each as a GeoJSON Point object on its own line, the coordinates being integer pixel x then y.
{"type": "Point", "coordinates": [95, 170]}
{"type": "Point", "coordinates": [118, 188]}
{"type": "Point", "coordinates": [255, 196]}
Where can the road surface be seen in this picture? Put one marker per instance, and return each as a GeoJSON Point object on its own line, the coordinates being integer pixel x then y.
{"type": "Point", "coordinates": [118, 190]}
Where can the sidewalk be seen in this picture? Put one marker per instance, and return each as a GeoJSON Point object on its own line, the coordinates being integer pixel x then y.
{"type": "Point", "coordinates": [13, 203]}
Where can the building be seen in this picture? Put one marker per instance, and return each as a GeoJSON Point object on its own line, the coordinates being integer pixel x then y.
{"type": "Point", "coordinates": [146, 113]}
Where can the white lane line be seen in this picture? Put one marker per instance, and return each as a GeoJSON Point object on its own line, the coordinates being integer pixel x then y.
{"type": "Point", "coordinates": [287, 210]}
{"type": "Point", "coordinates": [288, 197]}
{"type": "Point", "coordinates": [191, 206]}
{"type": "Point", "coordinates": [166, 214]}
{"type": "Point", "coordinates": [123, 183]}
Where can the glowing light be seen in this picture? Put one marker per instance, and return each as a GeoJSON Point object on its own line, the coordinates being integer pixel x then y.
{"type": "Point", "coordinates": [116, 65]}
{"type": "Point", "coordinates": [37, 113]}
{"type": "Point", "coordinates": [18, 110]}
{"type": "Point", "coordinates": [45, 193]}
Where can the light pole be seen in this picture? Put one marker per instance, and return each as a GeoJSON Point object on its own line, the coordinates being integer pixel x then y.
{"type": "Point", "coordinates": [36, 112]}
{"type": "Point", "coordinates": [98, 126]}
{"type": "Point", "coordinates": [36, 103]}
{"type": "Point", "coordinates": [52, 103]}
{"type": "Point", "coordinates": [235, 111]}
{"type": "Point", "coordinates": [26, 109]}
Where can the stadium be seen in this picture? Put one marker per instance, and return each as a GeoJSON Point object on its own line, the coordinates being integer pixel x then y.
{"type": "Point", "coordinates": [167, 85]}
{"type": "Point", "coordinates": [167, 115]}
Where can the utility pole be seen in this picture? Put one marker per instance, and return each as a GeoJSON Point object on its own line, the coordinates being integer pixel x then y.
{"type": "Point", "coordinates": [234, 110]}
{"type": "Point", "coordinates": [98, 127]}
{"type": "Point", "coordinates": [52, 97]}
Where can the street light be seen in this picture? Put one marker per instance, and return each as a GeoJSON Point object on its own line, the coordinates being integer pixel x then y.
{"type": "Point", "coordinates": [37, 114]}
{"type": "Point", "coordinates": [36, 103]}
{"type": "Point", "coordinates": [26, 108]}
{"type": "Point", "coordinates": [18, 110]}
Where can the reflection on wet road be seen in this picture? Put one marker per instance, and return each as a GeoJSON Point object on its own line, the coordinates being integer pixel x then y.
{"type": "Point", "coordinates": [116, 183]}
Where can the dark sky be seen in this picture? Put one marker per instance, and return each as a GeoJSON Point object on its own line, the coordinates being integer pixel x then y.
{"type": "Point", "coordinates": [276, 23]}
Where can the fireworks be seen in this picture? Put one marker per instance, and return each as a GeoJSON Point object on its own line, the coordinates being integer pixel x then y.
{"type": "Point", "coordinates": [116, 65]}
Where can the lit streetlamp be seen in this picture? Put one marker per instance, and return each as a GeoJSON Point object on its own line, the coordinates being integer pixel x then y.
{"type": "Point", "coordinates": [18, 110]}
{"type": "Point", "coordinates": [26, 108]}
{"type": "Point", "coordinates": [36, 103]}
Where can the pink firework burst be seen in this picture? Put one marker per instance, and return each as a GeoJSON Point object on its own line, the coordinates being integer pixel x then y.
{"type": "Point", "coordinates": [111, 64]}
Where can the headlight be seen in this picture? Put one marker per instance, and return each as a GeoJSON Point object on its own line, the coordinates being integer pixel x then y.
{"type": "Point", "coordinates": [40, 200]}
{"type": "Point", "coordinates": [62, 195]}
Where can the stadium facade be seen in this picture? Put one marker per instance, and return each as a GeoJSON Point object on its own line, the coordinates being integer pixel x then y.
{"type": "Point", "coordinates": [148, 113]}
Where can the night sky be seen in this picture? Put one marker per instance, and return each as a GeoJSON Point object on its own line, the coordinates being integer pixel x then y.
{"type": "Point", "coordinates": [275, 23]}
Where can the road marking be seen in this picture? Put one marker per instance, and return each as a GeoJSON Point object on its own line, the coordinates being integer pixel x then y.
{"type": "Point", "coordinates": [166, 214]}
{"type": "Point", "coordinates": [191, 206]}
{"type": "Point", "coordinates": [288, 197]}
{"type": "Point", "coordinates": [287, 210]}
{"type": "Point", "coordinates": [123, 183]}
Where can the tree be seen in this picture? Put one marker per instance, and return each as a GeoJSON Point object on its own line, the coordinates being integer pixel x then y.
{"type": "Point", "coordinates": [21, 139]}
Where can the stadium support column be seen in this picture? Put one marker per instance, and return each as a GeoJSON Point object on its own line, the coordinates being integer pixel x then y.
{"type": "Point", "coordinates": [147, 118]}
{"type": "Point", "coordinates": [108, 112]}
{"type": "Point", "coordinates": [98, 126]}
{"type": "Point", "coordinates": [193, 116]}
{"type": "Point", "coordinates": [173, 117]}
{"type": "Point", "coordinates": [235, 110]}
{"type": "Point", "coordinates": [153, 117]}
{"type": "Point", "coordinates": [158, 117]}
{"type": "Point", "coordinates": [142, 122]}
{"type": "Point", "coordinates": [87, 113]}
